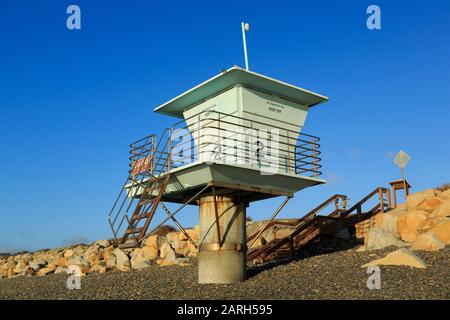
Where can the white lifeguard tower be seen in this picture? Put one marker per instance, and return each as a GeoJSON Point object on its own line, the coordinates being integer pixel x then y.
{"type": "Point", "coordinates": [239, 141]}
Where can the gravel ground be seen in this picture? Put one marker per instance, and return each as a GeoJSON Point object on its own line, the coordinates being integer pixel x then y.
{"type": "Point", "coordinates": [335, 275]}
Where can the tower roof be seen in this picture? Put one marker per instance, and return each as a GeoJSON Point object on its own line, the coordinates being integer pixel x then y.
{"type": "Point", "coordinates": [233, 77]}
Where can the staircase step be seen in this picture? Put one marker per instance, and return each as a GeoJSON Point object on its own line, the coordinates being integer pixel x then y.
{"type": "Point", "coordinates": [133, 231]}
{"type": "Point", "coordinates": [139, 216]}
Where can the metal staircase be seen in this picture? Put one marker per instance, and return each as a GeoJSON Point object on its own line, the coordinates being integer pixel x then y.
{"type": "Point", "coordinates": [143, 190]}
{"type": "Point", "coordinates": [312, 226]}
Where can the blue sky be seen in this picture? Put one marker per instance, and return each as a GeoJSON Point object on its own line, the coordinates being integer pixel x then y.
{"type": "Point", "coordinates": [72, 101]}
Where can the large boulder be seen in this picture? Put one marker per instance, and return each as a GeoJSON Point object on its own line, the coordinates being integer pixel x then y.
{"type": "Point", "coordinates": [138, 259]}
{"type": "Point", "coordinates": [442, 231]}
{"type": "Point", "coordinates": [400, 257]}
{"type": "Point", "coordinates": [430, 203]}
{"type": "Point", "coordinates": [167, 253]}
{"type": "Point", "coordinates": [122, 259]}
{"type": "Point", "coordinates": [20, 266]}
{"type": "Point", "coordinates": [427, 242]}
{"type": "Point", "coordinates": [443, 210]}
{"type": "Point", "coordinates": [172, 238]}
{"type": "Point", "coordinates": [388, 220]}
{"type": "Point", "coordinates": [410, 223]}
{"type": "Point", "coordinates": [415, 199]}
{"type": "Point", "coordinates": [155, 241]}
{"type": "Point", "coordinates": [377, 238]}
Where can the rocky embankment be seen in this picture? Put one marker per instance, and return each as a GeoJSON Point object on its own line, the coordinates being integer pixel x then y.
{"type": "Point", "coordinates": [421, 224]}
{"type": "Point", "coordinates": [101, 256]}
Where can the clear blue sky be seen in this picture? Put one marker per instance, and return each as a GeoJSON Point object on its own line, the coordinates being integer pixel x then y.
{"type": "Point", "coordinates": [72, 101]}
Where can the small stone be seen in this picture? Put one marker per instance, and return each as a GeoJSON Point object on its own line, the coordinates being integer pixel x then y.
{"type": "Point", "coordinates": [100, 268]}
{"type": "Point", "coordinates": [68, 253]}
{"type": "Point", "coordinates": [102, 243]}
{"type": "Point", "coordinates": [400, 257]}
{"type": "Point", "coordinates": [47, 270]}
{"type": "Point", "coordinates": [123, 268]}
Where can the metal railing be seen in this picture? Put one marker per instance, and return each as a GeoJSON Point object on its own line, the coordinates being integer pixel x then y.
{"type": "Point", "coordinates": [147, 166]}
{"type": "Point", "coordinates": [212, 136]}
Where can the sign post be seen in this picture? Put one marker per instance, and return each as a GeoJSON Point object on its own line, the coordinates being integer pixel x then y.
{"type": "Point", "coordinates": [402, 160]}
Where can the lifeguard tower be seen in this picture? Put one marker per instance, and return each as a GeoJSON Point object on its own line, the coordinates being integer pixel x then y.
{"type": "Point", "coordinates": [240, 140]}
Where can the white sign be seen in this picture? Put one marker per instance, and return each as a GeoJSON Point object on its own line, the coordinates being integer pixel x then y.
{"type": "Point", "coordinates": [402, 159]}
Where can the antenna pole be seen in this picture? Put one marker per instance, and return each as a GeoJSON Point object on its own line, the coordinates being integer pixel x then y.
{"type": "Point", "coordinates": [245, 45]}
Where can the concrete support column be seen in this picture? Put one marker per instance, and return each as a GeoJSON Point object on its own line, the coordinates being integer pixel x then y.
{"type": "Point", "coordinates": [224, 260]}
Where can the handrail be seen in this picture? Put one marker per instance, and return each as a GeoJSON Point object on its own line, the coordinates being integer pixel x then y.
{"type": "Point", "coordinates": [298, 156]}
{"type": "Point", "coordinates": [300, 225]}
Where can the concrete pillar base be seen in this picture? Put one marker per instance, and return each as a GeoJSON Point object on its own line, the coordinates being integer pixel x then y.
{"type": "Point", "coordinates": [225, 262]}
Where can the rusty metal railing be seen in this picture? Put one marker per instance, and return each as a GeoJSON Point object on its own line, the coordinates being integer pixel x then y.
{"type": "Point", "coordinates": [212, 136]}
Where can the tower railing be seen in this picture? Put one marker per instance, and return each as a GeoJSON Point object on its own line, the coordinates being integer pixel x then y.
{"type": "Point", "coordinates": [212, 136]}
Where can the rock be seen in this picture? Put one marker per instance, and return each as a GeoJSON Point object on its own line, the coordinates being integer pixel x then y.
{"type": "Point", "coordinates": [102, 243]}
{"type": "Point", "coordinates": [428, 242]}
{"type": "Point", "coordinates": [111, 262]}
{"type": "Point", "coordinates": [68, 253]}
{"type": "Point", "coordinates": [378, 238]}
{"type": "Point", "coordinates": [172, 238]}
{"type": "Point", "coordinates": [430, 203]}
{"type": "Point", "coordinates": [20, 266]}
{"type": "Point", "coordinates": [443, 210]}
{"type": "Point", "coordinates": [442, 231]}
{"type": "Point", "coordinates": [93, 257]}
{"type": "Point", "coordinates": [389, 220]}
{"type": "Point", "coordinates": [415, 199]}
{"type": "Point", "coordinates": [167, 253]}
{"type": "Point", "coordinates": [155, 241]}
{"type": "Point", "coordinates": [192, 248]}
{"type": "Point", "coordinates": [182, 251]}
{"type": "Point", "coordinates": [165, 263]}
{"type": "Point", "coordinates": [281, 233]}
{"type": "Point", "coordinates": [123, 268]}
{"type": "Point", "coordinates": [121, 259]}
{"type": "Point", "coordinates": [60, 270]}
{"type": "Point", "coordinates": [37, 264]}
{"type": "Point", "coordinates": [47, 270]}
{"type": "Point", "coordinates": [79, 261]}
{"type": "Point", "coordinates": [150, 252]}
{"type": "Point", "coordinates": [400, 257]}
{"type": "Point", "coordinates": [138, 259]}
{"type": "Point", "coordinates": [100, 268]}
{"type": "Point", "coordinates": [62, 262]}
{"type": "Point", "coordinates": [409, 223]}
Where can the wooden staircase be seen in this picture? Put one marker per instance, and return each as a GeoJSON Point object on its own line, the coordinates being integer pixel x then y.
{"type": "Point", "coordinates": [312, 226]}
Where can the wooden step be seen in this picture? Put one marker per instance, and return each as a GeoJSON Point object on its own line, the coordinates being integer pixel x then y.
{"type": "Point", "coordinates": [134, 230]}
